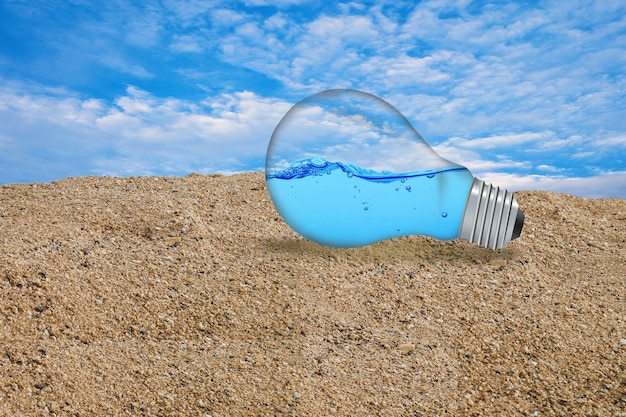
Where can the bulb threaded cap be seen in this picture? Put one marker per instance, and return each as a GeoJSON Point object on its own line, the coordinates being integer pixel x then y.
{"type": "Point", "coordinates": [492, 217]}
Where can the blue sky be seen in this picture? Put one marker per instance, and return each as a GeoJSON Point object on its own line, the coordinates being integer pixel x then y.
{"type": "Point", "coordinates": [527, 95]}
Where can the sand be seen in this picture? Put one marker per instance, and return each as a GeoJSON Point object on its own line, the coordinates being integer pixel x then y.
{"type": "Point", "coordinates": [159, 296]}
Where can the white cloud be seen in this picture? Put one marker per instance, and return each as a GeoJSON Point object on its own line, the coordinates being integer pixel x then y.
{"type": "Point", "coordinates": [404, 69]}
{"type": "Point", "coordinates": [187, 11]}
{"type": "Point", "coordinates": [597, 186]}
{"type": "Point", "coordinates": [549, 168]}
{"type": "Point", "coordinates": [186, 44]}
{"type": "Point", "coordinates": [144, 29]}
{"type": "Point", "coordinates": [231, 127]}
{"type": "Point", "coordinates": [498, 141]}
{"type": "Point", "coordinates": [612, 142]}
{"type": "Point", "coordinates": [138, 134]}
{"type": "Point", "coordinates": [276, 3]}
{"type": "Point", "coordinates": [226, 18]}
{"type": "Point", "coordinates": [119, 63]}
{"type": "Point", "coordinates": [476, 161]}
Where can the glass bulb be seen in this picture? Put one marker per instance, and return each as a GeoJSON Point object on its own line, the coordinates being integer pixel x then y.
{"type": "Point", "coordinates": [345, 168]}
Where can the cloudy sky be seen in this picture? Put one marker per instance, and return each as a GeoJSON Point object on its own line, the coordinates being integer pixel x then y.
{"type": "Point", "coordinates": [527, 95]}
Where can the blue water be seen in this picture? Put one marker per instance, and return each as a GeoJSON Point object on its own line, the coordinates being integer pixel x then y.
{"type": "Point", "coordinates": [343, 205]}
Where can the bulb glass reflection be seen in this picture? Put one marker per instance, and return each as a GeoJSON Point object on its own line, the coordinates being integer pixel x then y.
{"type": "Point", "coordinates": [344, 168]}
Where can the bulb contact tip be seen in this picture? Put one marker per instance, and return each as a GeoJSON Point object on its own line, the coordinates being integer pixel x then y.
{"type": "Point", "coordinates": [519, 223]}
{"type": "Point", "coordinates": [492, 217]}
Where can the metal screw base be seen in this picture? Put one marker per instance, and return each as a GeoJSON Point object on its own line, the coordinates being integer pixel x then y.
{"type": "Point", "coordinates": [492, 216]}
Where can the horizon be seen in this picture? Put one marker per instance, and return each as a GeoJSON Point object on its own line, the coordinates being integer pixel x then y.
{"type": "Point", "coordinates": [527, 96]}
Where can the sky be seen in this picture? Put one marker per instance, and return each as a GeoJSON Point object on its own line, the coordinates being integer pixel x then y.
{"type": "Point", "coordinates": [527, 95]}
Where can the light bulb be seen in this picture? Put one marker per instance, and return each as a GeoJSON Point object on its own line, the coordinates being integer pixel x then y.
{"type": "Point", "coordinates": [345, 168]}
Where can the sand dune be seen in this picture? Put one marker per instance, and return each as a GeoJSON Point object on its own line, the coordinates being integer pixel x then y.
{"type": "Point", "coordinates": [191, 297]}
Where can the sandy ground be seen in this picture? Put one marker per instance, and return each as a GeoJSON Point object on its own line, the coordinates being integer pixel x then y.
{"type": "Point", "coordinates": [191, 297]}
